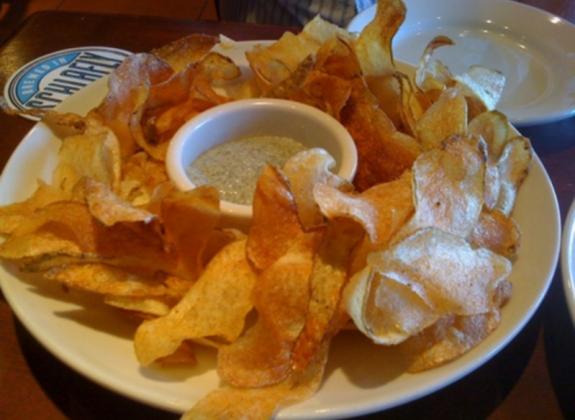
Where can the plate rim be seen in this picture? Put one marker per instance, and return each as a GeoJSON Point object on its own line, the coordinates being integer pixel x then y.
{"type": "Point", "coordinates": [568, 260]}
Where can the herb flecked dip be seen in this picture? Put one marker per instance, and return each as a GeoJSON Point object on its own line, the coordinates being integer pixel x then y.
{"type": "Point", "coordinates": [234, 167]}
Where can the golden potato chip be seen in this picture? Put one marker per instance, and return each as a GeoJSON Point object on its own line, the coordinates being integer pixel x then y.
{"type": "Point", "coordinates": [67, 229]}
{"type": "Point", "coordinates": [185, 51]}
{"type": "Point", "coordinates": [127, 90]}
{"type": "Point", "coordinates": [108, 208]}
{"type": "Point", "coordinates": [12, 215]}
{"type": "Point", "coordinates": [328, 277]}
{"type": "Point", "coordinates": [227, 278]}
{"type": "Point", "coordinates": [108, 280]}
{"type": "Point", "coordinates": [448, 339]}
{"type": "Point", "coordinates": [337, 57]}
{"type": "Point", "coordinates": [382, 154]}
{"type": "Point", "coordinates": [275, 224]}
{"type": "Point", "coordinates": [433, 74]}
{"type": "Point", "coordinates": [513, 168]}
{"type": "Point", "coordinates": [445, 118]}
{"type": "Point", "coordinates": [262, 356]}
{"type": "Point", "coordinates": [448, 188]}
{"type": "Point", "coordinates": [444, 270]}
{"type": "Point", "coordinates": [385, 310]}
{"type": "Point", "coordinates": [64, 124]}
{"type": "Point", "coordinates": [373, 46]}
{"type": "Point", "coordinates": [381, 210]}
{"type": "Point", "coordinates": [145, 307]}
{"type": "Point", "coordinates": [304, 170]}
{"type": "Point", "coordinates": [496, 232]}
{"type": "Point", "coordinates": [188, 219]}
{"type": "Point", "coordinates": [93, 154]}
{"type": "Point", "coordinates": [493, 127]}
{"type": "Point", "coordinates": [141, 176]}
{"type": "Point", "coordinates": [484, 84]}
{"type": "Point", "coordinates": [261, 403]}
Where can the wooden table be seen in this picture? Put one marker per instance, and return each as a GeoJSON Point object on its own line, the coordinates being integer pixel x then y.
{"type": "Point", "coordinates": [533, 377]}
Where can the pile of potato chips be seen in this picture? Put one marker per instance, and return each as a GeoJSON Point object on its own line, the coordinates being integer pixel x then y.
{"type": "Point", "coordinates": [415, 254]}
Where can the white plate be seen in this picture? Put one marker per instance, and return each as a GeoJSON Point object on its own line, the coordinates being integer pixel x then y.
{"type": "Point", "coordinates": [568, 260]}
{"type": "Point", "coordinates": [361, 378]}
{"type": "Point", "coordinates": [534, 49]}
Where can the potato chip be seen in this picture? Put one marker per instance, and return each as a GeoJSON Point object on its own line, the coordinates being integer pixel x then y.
{"type": "Point", "coordinates": [448, 339]}
{"type": "Point", "coordinates": [382, 154]}
{"type": "Point", "coordinates": [108, 208]}
{"type": "Point", "coordinates": [262, 356]}
{"type": "Point", "coordinates": [275, 224]}
{"type": "Point", "coordinates": [261, 403]}
{"type": "Point", "coordinates": [373, 46]}
{"type": "Point", "coordinates": [108, 280]}
{"type": "Point", "coordinates": [433, 74]}
{"type": "Point", "coordinates": [140, 178]}
{"type": "Point", "coordinates": [513, 168]}
{"type": "Point", "coordinates": [144, 307]}
{"type": "Point", "coordinates": [448, 188]}
{"type": "Point", "coordinates": [445, 118]}
{"type": "Point", "coordinates": [182, 52]}
{"type": "Point", "coordinates": [127, 90]}
{"type": "Point", "coordinates": [496, 232]}
{"type": "Point", "coordinates": [429, 275]}
{"type": "Point", "coordinates": [12, 215]}
{"type": "Point", "coordinates": [188, 219]}
{"type": "Point", "coordinates": [381, 210]}
{"type": "Point", "coordinates": [493, 127]}
{"type": "Point", "coordinates": [304, 170]}
{"type": "Point", "coordinates": [93, 154]}
{"type": "Point", "coordinates": [328, 277]}
{"type": "Point", "coordinates": [484, 84]}
{"type": "Point", "coordinates": [228, 277]}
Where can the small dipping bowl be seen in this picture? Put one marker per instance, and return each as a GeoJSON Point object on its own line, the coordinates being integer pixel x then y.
{"type": "Point", "coordinates": [257, 117]}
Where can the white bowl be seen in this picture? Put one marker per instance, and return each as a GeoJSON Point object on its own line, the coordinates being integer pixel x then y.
{"type": "Point", "coordinates": [257, 117]}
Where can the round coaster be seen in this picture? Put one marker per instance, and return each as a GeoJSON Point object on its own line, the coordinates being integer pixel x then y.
{"type": "Point", "coordinates": [48, 80]}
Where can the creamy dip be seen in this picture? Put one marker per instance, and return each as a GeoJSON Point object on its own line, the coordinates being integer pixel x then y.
{"type": "Point", "coordinates": [234, 167]}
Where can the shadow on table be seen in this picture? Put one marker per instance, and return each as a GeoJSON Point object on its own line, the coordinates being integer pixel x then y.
{"type": "Point", "coordinates": [559, 339]}
{"type": "Point", "coordinates": [76, 396]}
{"type": "Point", "coordinates": [477, 395]}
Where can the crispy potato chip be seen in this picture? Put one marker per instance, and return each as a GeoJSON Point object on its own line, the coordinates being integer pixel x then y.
{"type": "Point", "coordinates": [496, 232]}
{"type": "Point", "coordinates": [141, 177]}
{"type": "Point", "coordinates": [373, 46]}
{"type": "Point", "coordinates": [185, 51]}
{"type": "Point", "coordinates": [513, 168]}
{"type": "Point", "coordinates": [262, 356]}
{"type": "Point", "coordinates": [275, 224]}
{"type": "Point", "coordinates": [108, 280]}
{"type": "Point", "coordinates": [448, 188]}
{"type": "Point", "coordinates": [484, 84]}
{"type": "Point", "coordinates": [261, 403]}
{"type": "Point", "coordinates": [144, 307]}
{"type": "Point", "coordinates": [64, 124]}
{"type": "Point", "coordinates": [429, 275]}
{"type": "Point", "coordinates": [227, 278]}
{"type": "Point", "coordinates": [110, 209]}
{"type": "Point", "coordinates": [382, 154]}
{"type": "Point", "coordinates": [493, 127]}
{"type": "Point", "coordinates": [188, 220]}
{"type": "Point", "coordinates": [127, 90]}
{"type": "Point", "coordinates": [304, 170]}
{"type": "Point", "coordinates": [328, 277]}
{"type": "Point", "coordinates": [12, 215]}
{"type": "Point", "coordinates": [448, 339]}
{"type": "Point", "coordinates": [433, 74]}
{"type": "Point", "coordinates": [381, 210]}
{"type": "Point", "coordinates": [337, 57]}
{"type": "Point", "coordinates": [93, 154]}
{"type": "Point", "coordinates": [67, 229]}
{"type": "Point", "coordinates": [445, 118]}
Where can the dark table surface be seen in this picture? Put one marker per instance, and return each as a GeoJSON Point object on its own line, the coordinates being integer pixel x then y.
{"type": "Point", "coordinates": [533, 377]}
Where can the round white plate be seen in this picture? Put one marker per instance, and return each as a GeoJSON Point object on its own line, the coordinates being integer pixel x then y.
{"type": "Point", "coordinates": [534, 49]}
{"type": "Point", "coordinates": [96, 340]}
{"type": "Point", "coordinates": [568, 260]}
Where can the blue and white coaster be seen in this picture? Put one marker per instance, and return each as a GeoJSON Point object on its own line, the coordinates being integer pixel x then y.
{"type": "Point", "coordinates": [45, 82]}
